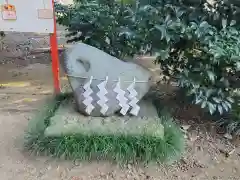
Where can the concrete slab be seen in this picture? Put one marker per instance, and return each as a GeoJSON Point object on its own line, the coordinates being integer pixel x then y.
{"type": "Point", "coordinates": [67, 121]}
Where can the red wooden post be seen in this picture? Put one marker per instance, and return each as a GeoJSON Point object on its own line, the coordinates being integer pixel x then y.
{"type": "Point", "coordinates": [54, 55]}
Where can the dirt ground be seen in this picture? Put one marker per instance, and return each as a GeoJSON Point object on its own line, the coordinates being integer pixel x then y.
{"type": "Point", "coordinates": [24, 85]}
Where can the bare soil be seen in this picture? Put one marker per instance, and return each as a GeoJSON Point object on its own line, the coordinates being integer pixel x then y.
{"type": "Point", "coordinates": [25, 84]}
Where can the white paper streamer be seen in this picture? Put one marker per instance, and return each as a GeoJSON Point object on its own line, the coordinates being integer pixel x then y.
{"type": "Point", "coordinates": [88, 99]}
{"type": "Point", "coordinates": [133, 99]}
{"type": "Point", "coordinates": [121, 98]}
{"type": "Point", "coordinates": [101, 94]}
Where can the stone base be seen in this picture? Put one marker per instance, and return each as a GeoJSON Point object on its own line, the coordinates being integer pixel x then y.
{"type": "Point", "coordinates": [67, 121]}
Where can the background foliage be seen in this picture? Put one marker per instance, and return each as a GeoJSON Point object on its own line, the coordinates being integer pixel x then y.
{"type": "Point", "coordinates": [195, 42]}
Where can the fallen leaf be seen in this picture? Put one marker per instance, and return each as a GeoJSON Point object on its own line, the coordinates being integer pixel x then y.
{"type": "Point", "coordinates": [228, 136]}
{"type": "Point", "coordinates": [185, 127]}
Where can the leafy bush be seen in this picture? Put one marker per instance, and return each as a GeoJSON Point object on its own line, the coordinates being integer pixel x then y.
{"type": "Point", "coordinates": [232, 121]}
{"type": "Point", "coordinates": [101, 24]}
{"type": "Point", "coordinates": [195, 42]}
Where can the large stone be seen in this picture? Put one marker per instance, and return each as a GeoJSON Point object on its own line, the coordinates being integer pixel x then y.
{"type": "Point", "coordinates": [82, 61]}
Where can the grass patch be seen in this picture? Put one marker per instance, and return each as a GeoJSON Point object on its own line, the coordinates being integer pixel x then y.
{"type": "Point", "coordinates": [118, 148]}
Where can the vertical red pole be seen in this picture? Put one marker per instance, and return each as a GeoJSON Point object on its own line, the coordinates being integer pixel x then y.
{"type": "Point", "coordinates": [54, 55]}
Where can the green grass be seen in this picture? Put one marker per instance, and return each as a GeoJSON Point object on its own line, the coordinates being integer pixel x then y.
{"type": "Point", "coordinates": [118, 148]}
